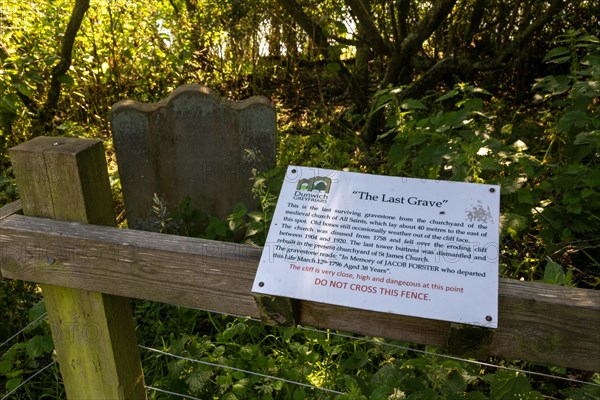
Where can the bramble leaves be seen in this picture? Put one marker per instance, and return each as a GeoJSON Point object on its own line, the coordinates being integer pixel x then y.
{"type": "Point", "coordinates": [506, 385]}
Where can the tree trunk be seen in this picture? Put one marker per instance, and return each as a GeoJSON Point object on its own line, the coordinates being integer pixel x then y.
{"type": "Point", "coordinates": [320, 38]}
{"type": "Point", "coordinates": [452, 64]}
{"type": "Point", "coordinates": [413, 42]}
{"type": "Point", "coordinates": [401, 57]}
{"type": "Point", "coordinates": [367, 31]}
{"type": "Point", "coordinates": [313, 30]}
{"type": "Point", "coordinates": [360, 76]}
{"type": "Point", "coordinates": [48, 110]}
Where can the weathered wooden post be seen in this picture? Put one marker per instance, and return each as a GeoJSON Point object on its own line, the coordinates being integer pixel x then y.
{"type": "Point", "coordinates": [94, 337]}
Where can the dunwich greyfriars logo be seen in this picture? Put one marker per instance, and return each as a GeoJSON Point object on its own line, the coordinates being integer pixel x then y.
{"type": "Point", "coordinates": [316, 184]}
{"type": "Point", "coordinates": [313, 189]}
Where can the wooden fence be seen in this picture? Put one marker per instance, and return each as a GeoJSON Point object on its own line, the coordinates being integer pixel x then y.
{"type": "Point", "coordinates": [88, 269]}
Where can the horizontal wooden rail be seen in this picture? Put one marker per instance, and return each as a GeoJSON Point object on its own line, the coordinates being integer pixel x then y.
{"type": "Point", "coordinates": [6, 211]}
{"type": "Point", "coordinates": [10, 209]}
{"type": "Point", "coordinates": [540, 323]}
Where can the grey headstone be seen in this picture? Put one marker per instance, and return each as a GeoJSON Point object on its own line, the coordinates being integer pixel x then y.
{"type": "Point", "coordinates": [194, 144]}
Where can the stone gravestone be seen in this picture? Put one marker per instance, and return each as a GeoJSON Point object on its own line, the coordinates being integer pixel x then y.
{"type": "Point", "coordinates": [191, 144]}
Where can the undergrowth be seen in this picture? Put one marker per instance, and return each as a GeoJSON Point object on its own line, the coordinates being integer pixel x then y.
{"type": "Point", "coordinates": [544, 156]}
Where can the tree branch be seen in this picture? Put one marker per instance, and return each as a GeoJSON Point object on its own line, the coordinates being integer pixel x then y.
{"type": "Point", "coordinates": [402, 55]}
{"type": "Point", "coordinates": [444, 67]}
{"type": "Point", "coordinates": [464, 66]}
{"type": "Point", "coordinates": [475, 20]}
{"type": "Point", "coordinates": [414, 40]}
{"type": "Point", "coordinates": [360, 9]}
{"type": "Point", "coordinates": [307, 24]}
{"type": "Point", "coordinates": [66, 55]}
{"type": "Point", "coordinates": [402, 25]}
{"type": "Point", "coordinates": [175, 8]}
{"type": "Point", "coordinates": [316, 33]}
{"type": "Point", "coordinates": [525, 33]}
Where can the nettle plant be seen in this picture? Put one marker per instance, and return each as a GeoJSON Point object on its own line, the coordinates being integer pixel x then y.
{"type": "Point", "coordinates": [566, 203]}
{"type": "Point", "coordinates": [440, 138]}
{"type": "Point", "coordinates": [360, 369]}
{"type": "Point", "coordinates": [547, 166]}
{"type": "Point", "coordinates": [572, 154]}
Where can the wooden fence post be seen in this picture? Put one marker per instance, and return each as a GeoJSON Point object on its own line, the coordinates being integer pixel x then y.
{"type": "Point", "coordinates": [94, 333]}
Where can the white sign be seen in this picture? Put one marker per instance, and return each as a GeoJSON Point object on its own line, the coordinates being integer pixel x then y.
{"type": "Point", "coordinates": [397, 245]}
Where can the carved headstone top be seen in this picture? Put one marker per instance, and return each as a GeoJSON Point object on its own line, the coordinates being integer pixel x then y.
{"type": "Point", "coordinates": [194, 144]}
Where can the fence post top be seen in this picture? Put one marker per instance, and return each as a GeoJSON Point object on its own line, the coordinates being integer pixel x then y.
{"type": "Point", "coordinates": [56, 144]}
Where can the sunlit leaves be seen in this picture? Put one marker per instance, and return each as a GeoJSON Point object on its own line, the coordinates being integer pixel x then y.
{"type": "Point", "coordinates": [590, 88]}
{"type": "Point", "coordinates": [356, 360]}
{"type": "Point", "coordinates": [10, 102]}
{"type": "Point", "coordinates": [513, 224]}
{"type": "Point", "coordinates": [555, 274]}
{"type": "Point", "coordinates": [198, 378]}
{"type": "Point", "coordinates": [553, 85]}
{"type": "Point", "coordinates": [558, 55]}
{"type": "Point", "coordinates": [546, 170]}
{"type": "Point", "coordinates": [508, 385]}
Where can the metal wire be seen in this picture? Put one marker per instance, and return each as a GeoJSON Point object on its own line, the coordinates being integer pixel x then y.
{"type": "Point", "coordinates": [484, 364]}
{"type": "Point", "coordinates": [185, 396]}
{"type": "Point", "coordinates": [328, 332]}
{"type": "Point", "coordinates": [481, 363]}
{"type": "Point", "coordinates": [24, 329]}
{"type": "Point", "coordinates": [28, 379]}
{"type": "Point", "coordinates": [239, 370]}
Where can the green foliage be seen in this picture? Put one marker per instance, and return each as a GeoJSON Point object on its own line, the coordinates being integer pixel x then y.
{"type": "Point", "coordinates": [543, 154]}
{"type": "Point", "coordinates": [8, 188]}
{"type": "Point", "coordinates": [440, 143]}
{"type": "Point", "coordinates": [505, 385]}
{"type": "Point", "coordinates": [548, 171]}
{"type": "Point", "coordinates": [369, 369]}
{"type": "Point", "coordinates": [247, 226]}
{"type": "Point", "coordinates": [16, 298]}
{"type": "Point", "coordinates": [27, 355]}
{"type": "Point", "coordinates": [28, 51]}
{"type": "Point", "coordinates": [554, 273]}
{"type": "Point", "coordinates": [571, 192]}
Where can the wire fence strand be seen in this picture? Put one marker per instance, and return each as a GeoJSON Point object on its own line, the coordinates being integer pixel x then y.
{"type": "Point", "coordinates": [28, 379]}
{"type": "Point", "coordinates": [304, 328]}
{"type": "Point", "coordinates": [240, 370]}
{"type": "Point", "coordinates": [429, 353]}
{"type": "Point", "coordinates": [44, 315]}
{"type": "Point", "coordinates": [185, 396]}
